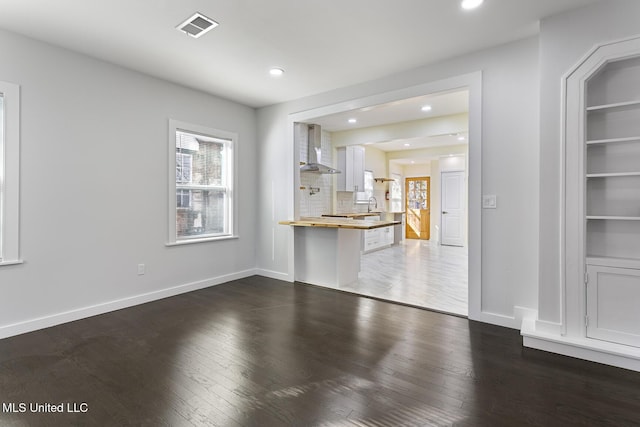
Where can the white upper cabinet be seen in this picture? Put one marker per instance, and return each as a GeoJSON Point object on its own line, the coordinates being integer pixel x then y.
{"type": "Point", "coordinates": [351, 164]}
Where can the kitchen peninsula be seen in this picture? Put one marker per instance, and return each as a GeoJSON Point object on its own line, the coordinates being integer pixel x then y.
{"type": "Point", "coordinates": [327, 250]}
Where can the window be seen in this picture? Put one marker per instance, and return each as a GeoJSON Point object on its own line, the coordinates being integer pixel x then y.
{"type": "Point", "coordinates": [364, 196]}
{"type": "Point", "coordinates": [395, 189]}
{"type": "Point", "coordinates": [9, 172]}
{"type": "Point", "coordinates": [203, 160]}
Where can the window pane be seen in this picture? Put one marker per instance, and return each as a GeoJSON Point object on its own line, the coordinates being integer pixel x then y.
{"type": "Point", "coordinates": [203, 214]}
{"type": "Point", "coordinates": [183, 168]}
{"type": "Point", "coordinates": [208, 164]}
{"type": "Point", "coordinates": [199, 160]}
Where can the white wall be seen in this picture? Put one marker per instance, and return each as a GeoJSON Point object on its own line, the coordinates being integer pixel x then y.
{"type": "Point", "coordinates": [565, 39]}
{"type": "Point", "coordinates": [375, 160]}
{"type": "Point", "coordinates": [417, 170]}
{"type": "Point", "coordinates": [509, 128]}
{"type": "Point", "coordinates": [94, 188]}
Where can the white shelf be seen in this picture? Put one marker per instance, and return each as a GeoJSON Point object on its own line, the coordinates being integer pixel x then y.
{"type": "Point", "coordinates": [614, 140]}
{"type": "Point", "coordinates": [613, 262]}
{"type": "Point", "coordinates": [614, 218]}
{"type": "Point", "coordinates": [613, 174]}
{"type": "Point", "coordinates": [617, 105]}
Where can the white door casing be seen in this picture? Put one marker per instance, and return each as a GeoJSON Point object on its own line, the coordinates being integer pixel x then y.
{"type": "Point", "coordinates": [452, 214]}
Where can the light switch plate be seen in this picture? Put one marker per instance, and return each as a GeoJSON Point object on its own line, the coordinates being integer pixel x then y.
{"type": "Point", "coordinates": [489, 201]}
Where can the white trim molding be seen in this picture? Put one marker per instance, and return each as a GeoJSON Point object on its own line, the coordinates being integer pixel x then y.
{"type": "Point", "coordinates": [622, 356]}
{"type": "Point", "coordinates": [94, 310]}
{"type": "Point", "coordinates": [10, 175]}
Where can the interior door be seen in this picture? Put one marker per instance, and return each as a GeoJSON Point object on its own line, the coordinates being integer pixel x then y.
{"type": "Point", "coordinates": [453, 212]}
{"type": "Point", "coordinates": [417, 203]}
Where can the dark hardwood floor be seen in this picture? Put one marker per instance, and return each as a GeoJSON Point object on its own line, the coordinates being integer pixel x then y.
{"type": "Point", "coordinates": [260, 352]}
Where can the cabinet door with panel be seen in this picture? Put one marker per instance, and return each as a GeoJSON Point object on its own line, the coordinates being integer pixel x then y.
{"type": "Point", "coordinates": [351, 164]}
{"type": "Point", "coordinates": [612, 304]}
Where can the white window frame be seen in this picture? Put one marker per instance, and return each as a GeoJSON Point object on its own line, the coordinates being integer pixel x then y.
{"type": "Point", "coordinates": [362, 197]}
{"type": "Point", "coordinates": [10, 175]}
{"type": "Point", "coordinates": [231, 217]}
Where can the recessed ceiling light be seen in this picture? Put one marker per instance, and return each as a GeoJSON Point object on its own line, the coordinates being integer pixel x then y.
{"type": "Point", "coordinates": [413, 162]}
{"type": "Point", "coordinates": [471, 4]}
{"type": "Point", "coordinates": [407, 145]}
{"type": "Point", "coordinates": [275, 71]}
{"type": "Point", "coordinates": [197, 25]}
{"type": "Point", "coordinates": [461, 138]}
{"type": "Point", "coordinates": [352, 120]}
{"type": "Point", "coordinates": [426, 108]}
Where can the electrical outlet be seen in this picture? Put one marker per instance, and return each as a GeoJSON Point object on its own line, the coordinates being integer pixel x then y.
{"type": "Point", "coordinates": [140, 269]}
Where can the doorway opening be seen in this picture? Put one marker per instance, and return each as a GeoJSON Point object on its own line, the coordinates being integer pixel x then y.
{"type": "Point", "coordinates": [397, 265]}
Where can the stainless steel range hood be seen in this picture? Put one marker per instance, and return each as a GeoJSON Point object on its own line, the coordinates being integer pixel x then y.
{"type": "Point", "coordinates": [314, 153]}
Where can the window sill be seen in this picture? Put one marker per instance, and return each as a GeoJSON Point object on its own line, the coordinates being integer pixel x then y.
{"type": "Point", "coordinates": [12, 262]}
{"type": "Point", "coordinates": [202, 240]}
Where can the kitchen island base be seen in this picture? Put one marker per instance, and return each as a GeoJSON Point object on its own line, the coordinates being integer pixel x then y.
{"type": "Point", "coordinates": [327, 256]}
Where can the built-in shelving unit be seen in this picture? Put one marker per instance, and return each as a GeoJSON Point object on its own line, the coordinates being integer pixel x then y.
{"type": "Point", "coordinates": [612, 202]}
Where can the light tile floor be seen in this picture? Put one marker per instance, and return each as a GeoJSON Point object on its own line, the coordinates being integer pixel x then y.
{"type": "Point", "coordinates": [416, 272]}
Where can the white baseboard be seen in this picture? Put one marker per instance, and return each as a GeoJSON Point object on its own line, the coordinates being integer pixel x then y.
{"type": "Point", "coordinates": [495, 319]}
{"type": "Point", "coordinates": [524, 313]}
{"type": "Point", "coordinates": [598, 351]}
{"type": "Point", "coordinates": [274, 275]}
{"type": "Point", "coordinates": [546, 327]}
{"type": "Point", "coordinates": [84, 312]}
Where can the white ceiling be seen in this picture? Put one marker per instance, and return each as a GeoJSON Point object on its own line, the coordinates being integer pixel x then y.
{"type": "Point", "coordinates": [407, 110]}
{"type": "Point", "coordinates": [322, 45]}
{"type": "Point", "coordinates": [442, 104]}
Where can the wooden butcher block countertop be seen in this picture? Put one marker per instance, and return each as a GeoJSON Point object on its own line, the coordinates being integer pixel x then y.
{"type": "Point", "coordinates": [361, 224]}
{"type": "Point", "coordinates": [352, 215]}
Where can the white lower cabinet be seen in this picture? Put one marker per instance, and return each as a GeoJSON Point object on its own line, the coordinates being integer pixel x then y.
{"type": "Point", "coordinates": [377, 238]}
{"type": "Point", "coordinates": [387, 235]}
{"type": "Point", "coordinates": [612, 304]}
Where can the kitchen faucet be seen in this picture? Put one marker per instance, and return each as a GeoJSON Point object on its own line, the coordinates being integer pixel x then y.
{"type": "Point", "coordinates": [369, 203]}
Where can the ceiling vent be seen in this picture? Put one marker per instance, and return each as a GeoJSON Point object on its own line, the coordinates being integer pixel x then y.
{"type": "Point", "coordinates": [197, 25]}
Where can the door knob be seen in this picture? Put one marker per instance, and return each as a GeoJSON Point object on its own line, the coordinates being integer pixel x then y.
{"type": "Point", "coordinates": [444, 212]}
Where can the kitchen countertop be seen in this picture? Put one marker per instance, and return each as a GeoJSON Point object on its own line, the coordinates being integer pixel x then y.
{"type": "Point", "coordinates": [352, 215]}
{"type": "Point", "coordinates": [360, 214]}
{"type": "Point", "coordinates": [359, 224]}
